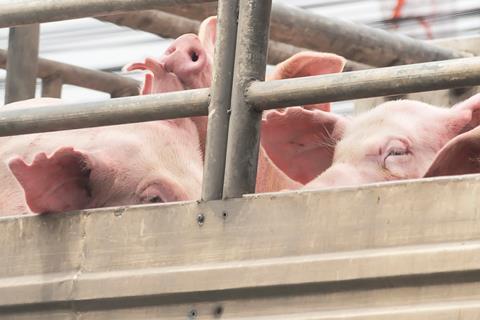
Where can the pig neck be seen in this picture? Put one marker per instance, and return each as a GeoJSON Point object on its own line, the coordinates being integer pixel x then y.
{"type": "Point", "coordinates": [201, 124]}
{"type": "Point", "coordinates": [270, 178]}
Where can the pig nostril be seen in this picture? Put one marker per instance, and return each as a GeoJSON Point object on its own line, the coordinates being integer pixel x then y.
{"type": "Point", "coordinates": [194, 56]}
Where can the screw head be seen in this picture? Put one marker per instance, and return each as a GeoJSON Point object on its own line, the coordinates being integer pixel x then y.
{"type": "Point", "coordinates": [200, 219]}
{"type": "Point", "coordinates": [217, 313]}
{"type": "Point", "coordinates": [192, 314]}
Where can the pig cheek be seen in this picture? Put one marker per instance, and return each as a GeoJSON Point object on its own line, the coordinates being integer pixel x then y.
{"type": "Point", "coordinates": [401, 167]}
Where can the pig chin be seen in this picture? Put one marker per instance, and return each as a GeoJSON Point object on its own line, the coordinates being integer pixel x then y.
{"type": "Point", "coordinates": [343, 175]}
{"type": "Point", "coordinates": [167, 82]}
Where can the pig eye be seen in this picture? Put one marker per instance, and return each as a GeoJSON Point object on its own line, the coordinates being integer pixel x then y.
{"type": "Point", "coordinates": [396, 156]}
{"type": "Point", "coordinates": [397, 152]}
{"type": "Point", "coordinates": [194, 56]}
{"type": "Point", "coordinates": [155, 199]}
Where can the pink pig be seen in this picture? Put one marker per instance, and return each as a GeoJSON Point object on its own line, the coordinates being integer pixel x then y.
{"type": "Point", "coordinates": [401, 139]}
{"type": "Point", "coordinates": [187, 64]}
{"type": "Point", "coordinates": [99, 167]}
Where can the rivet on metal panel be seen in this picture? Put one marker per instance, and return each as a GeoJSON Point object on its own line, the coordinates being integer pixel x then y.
{"type": "Point", "coordinates": [200, 219]}
{"type": "Point", "coordinates": [192, 314]}
{"type": "Point", "coordinates": [217, 313]}
{"type": "Point", "coordinates": [119, 211]}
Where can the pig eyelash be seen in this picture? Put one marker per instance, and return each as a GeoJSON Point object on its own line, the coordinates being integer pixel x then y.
{"type": "Point", "coordinates": [397, 152]}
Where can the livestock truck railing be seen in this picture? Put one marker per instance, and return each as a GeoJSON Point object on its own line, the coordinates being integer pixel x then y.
{"type": "Point", "coordinates": [263, 95]}
{"type": "Point", "coordinates": [78, 274]}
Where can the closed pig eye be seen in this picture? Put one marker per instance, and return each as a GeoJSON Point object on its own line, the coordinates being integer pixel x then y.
{"type": "Point", "coordinates": [155, 199]}
{"type": "Point", "coordinates": [397, 152]}
{"type": "Point", "coordinates": [396, 157]}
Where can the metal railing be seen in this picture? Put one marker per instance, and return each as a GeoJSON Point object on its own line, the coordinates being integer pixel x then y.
{"type": "Point", "coordinates": [246, 91]}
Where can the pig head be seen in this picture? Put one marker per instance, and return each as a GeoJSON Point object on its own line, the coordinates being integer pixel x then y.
{"type": "Point", "coordinates": [99, 167]}
{"type": "Point", "coordinates": [401, 139]}
{"type": "Point", "coordinates": [188, 64]}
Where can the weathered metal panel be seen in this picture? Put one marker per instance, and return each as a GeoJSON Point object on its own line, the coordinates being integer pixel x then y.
{"type": "Point", "coordinates": [407, 250]}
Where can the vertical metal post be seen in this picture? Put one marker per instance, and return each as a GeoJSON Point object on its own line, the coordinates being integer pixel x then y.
{"type": "Point", "coordinates": [243, 132]}
{"type": "Point", "coordinates": [22, 63]}
{"type": "Point", "coordinates": [221, 95]}
{"type": "Point", "coordinates": [52, 86]}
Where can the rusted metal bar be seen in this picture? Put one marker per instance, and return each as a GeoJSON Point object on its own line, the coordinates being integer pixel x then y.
{"type": "Point", "coordinates": [221, 92]}
{"type": "Point", "coordinates": [102, 113]}
{"type": "Point", "coordinates": [15, 13]}
{"type": "Point", "coordinates": [365, 83]}
{"type": "Point", "coordinates": [82, 77]}
{"type": "Point", "coordinates": [244, 128]}
{"type": "Point", "coordinates": [52, 86]}
{"type": "Point", "coordinates": [22, 63]}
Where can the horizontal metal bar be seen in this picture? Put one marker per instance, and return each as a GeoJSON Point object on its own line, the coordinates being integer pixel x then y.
{"type": "Point", "coordinates": [36, 11]}
{"type": "Point", "coordinates": [429, 76]}
{"type": "Point", "coordinates": [83, 77]}
{"type": "Point", "coordinates": [189, 103]}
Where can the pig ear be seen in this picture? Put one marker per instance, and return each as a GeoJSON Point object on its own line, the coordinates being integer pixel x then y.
{"type": "Point", "coordinates": [55, 183]}
{"type": "Point", "coordinates": [147, 85]}
{"type": "Point", "coordinates": [467, 114]}
{"type": "Point", "coordinates": [309, 63]}
{"type": "Point", "coordinates": [207, 34]}
{"type": "Point", "coordinates": [460, 155]}
{"type": "Point", "coordinates": [301, 142]}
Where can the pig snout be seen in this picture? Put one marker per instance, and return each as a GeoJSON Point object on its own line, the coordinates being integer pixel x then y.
{"type": "Point", "coordinates": [185, 57]}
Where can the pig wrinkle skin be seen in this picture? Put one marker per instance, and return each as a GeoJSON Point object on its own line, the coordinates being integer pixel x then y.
{"type": "Point", "coordinates": [397, 140]}
{"type": "Point", "coordinates": [130, 164]}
